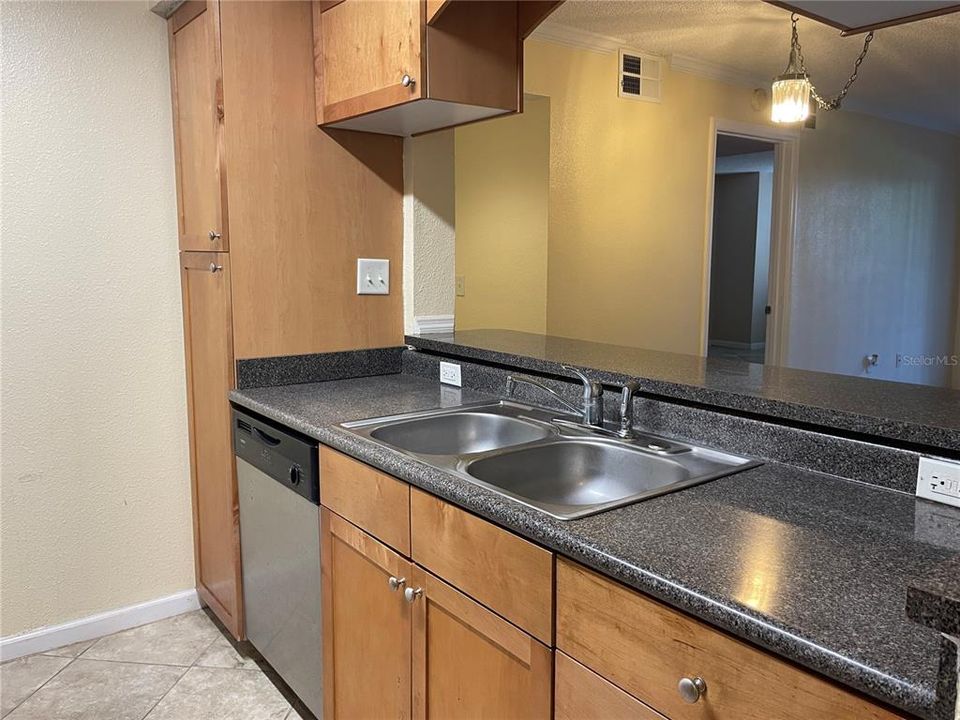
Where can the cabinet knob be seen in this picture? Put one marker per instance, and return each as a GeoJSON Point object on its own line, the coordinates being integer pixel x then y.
{"type": "Point", "coordinates": [215, 268]}
{"type": "Point", "coordinates": [213, 235]}
{"type": "Point", "coordinates": [410, 594]}
{"type": "Point", "coordinates": [691, 689]}
{"type": "Point", "coordinates": [395, 583]}
{"type": "Point", "coordinates": [407, 81]}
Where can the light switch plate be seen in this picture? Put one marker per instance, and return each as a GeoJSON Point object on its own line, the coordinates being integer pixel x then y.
{"type": "Point", "coordinates": [450, 373]}
{"type": "Point", "coordinates": [373, 276]}
{"type": "Point", "coordinates": [939, 480]}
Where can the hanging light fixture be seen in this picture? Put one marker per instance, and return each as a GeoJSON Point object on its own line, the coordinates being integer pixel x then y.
{"type": "Point", "coordinates": [792, 89]}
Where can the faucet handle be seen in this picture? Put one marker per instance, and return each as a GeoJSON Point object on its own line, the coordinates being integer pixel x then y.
{"type": "Point", "coordinates": [626, 408]}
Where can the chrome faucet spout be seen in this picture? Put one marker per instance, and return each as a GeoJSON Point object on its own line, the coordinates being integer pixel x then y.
{"type": "Point", "coordinates": [592, 409]}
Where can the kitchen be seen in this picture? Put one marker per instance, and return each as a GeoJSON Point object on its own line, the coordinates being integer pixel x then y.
{"type": "Point", "coordinates": [399, 388]}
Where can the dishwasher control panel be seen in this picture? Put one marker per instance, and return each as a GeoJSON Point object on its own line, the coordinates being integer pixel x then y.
{"type": "Point", "coordinates": [286, 456]}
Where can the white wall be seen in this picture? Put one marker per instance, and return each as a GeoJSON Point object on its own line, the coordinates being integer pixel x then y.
{"type": "Point", "coordinates": [428, 229]}
{"type": "Point", "coordinates": [875, 248]}
{"type": "Point", "coordinates": [95, 510]}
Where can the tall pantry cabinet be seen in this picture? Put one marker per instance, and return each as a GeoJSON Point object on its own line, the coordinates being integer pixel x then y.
{"type": "Point", "coordinates": [273, 213]}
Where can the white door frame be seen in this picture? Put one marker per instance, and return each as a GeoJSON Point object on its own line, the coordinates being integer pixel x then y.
{"type": "Point", "coordinates": [785, 165]}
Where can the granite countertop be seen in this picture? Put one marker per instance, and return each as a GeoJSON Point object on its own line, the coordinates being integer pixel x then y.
{"type": "Point", "coordinates": [919, 415]}
{"type": "Point", "coordinates": [807, 565]}
{"type": "Point", "coordinates": [934, 599]}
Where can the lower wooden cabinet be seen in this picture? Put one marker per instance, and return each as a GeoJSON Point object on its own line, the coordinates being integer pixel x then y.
{"type": "Point", "coordinates": [366, 624]}
{"type": "Point", "coordinates": [399, 641]}
{"type": "Point", "coordinates": [470, 663]}
{"type": "Point", "coordinates": [208, 340]}
{"type": "Point", "coordinates": [581, 694]}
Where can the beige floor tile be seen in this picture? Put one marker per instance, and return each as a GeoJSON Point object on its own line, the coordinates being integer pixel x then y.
{"type": "Point", "coordinates": [21, 677]}
{"type": "Point", "coordinates": [71, 651]}
{"type": "Point", "coordinates": [222, 655]}
{"type": "Point", "coordinates": [89, 689]}
{"type": "Point", "coordinates": [179, 640]}
{"type": "Point", "coordinates": [222, 694]}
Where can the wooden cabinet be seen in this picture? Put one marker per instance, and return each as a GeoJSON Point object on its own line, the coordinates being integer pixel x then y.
{"type": "Point", "coordinates": [646, 648]}
{"type": "Point", "coordinates": [304, 204]}
{"type": "Point", "coordinates": [508, 574]}
{"type": "Point", "coordinates": [195, 76]}
{"type": "Point", "coordinates": [366, 625]}
{"type": "Point", "coordinates": [581, 694]}
{"type": "Point", "coordinates": [205, 284]}
{"type": "Point", "coordinates": [470, 663]}
{"type": "Point", "coordinates": [382, 67]}
{"type": "Point", "coordinates": [458, 658]}
{"type": "Point", "coordinates": [371, 500]}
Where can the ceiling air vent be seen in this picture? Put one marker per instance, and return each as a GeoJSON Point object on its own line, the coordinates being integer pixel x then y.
{"type": "Point", "coordinates": [640, 76]}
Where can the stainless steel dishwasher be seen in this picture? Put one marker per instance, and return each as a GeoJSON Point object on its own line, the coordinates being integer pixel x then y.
{"type": "Point", "coordinates": [279, 484]}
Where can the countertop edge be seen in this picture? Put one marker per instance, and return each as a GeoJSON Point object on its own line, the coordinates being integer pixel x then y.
{"type": "Point", "coordinates": [778, 641]}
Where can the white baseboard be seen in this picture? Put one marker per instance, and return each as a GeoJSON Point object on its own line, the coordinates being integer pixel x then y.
{"type": "Point", "coordinates": [431, 324]}
{"type": "Point", "coordinates": [95, 626]}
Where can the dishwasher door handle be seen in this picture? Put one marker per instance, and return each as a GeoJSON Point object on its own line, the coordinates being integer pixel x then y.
{"type": "Point", "coordinates": [264, 438]}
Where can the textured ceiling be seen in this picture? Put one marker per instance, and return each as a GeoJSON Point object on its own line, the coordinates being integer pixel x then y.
{"type": "Point", "coordinates": [912, 72]}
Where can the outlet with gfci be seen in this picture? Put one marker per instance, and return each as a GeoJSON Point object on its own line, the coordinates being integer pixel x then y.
{"type": "Point", "coordinates": [939, 480]}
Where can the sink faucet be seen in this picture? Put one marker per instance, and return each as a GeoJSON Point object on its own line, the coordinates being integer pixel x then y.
{"type": "Point", "coordinates": [592, 409]}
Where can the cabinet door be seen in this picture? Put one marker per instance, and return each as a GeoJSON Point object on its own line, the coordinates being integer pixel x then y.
{"type": "Point", "coordinates": [205, 282]}
{"type": "Point", "coordinates": [367, 49]}
{"type": "Point", "coordinates": [469, 662]}
{"type": "Point", "coordinates": [197, 88]}
{"type": "Point", "coordinates": [366, 624]}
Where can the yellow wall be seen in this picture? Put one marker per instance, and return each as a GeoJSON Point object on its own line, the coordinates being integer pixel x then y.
{"type": "Point", "coordinates": [502, 181]}
{"type": "Point", "coordinates": [627, 200]}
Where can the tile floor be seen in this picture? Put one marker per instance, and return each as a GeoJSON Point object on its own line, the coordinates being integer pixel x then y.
{"type": "Point", "coordinates": [181, 668]}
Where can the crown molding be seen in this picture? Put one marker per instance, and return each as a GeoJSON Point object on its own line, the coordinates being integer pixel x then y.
{"type": "Point", "coordinates": [716, 71]}
{"type": "Point", "coordinates": [574, 37]}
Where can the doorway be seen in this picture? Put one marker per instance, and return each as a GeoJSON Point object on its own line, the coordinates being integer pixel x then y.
{"type": "Point", "coordinates": [740, 260]}
{"type": "Point", "coordinates": [752, 182]}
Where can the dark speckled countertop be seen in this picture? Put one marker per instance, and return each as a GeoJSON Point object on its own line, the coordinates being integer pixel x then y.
{"type": "Point", "coordinates": [812, 567]}
{"type": "Point", "coordinates": [917, 415]}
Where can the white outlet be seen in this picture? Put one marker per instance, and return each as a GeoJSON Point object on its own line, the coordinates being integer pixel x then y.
{"type": "Point", "coordinates": [450, 373]}
{"type": "Point", "coordinates": [373, 277]}
{"type": "Point", "coordinates": [939, 480]}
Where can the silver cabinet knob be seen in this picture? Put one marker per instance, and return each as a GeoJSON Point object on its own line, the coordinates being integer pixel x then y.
{"type": "Point", "coordinates": [215, 268]}
{"type": "Point", "coordinates": [407, 81]}
{"type": "Point", "coordinates": [409, 594]}
{"type": "Point", "coordinates": [396, 583]}
{"type": "Point", "coordinates": [691, 689]}
{"type": "Point", "coordinates": [213, 235]}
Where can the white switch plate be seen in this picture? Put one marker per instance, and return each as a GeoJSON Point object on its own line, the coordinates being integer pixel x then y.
{"type": "Point", "coordinates": [450, 373]}
{"type": "Point", "coordinates": [939, 480]}
{"type": "Point", "coordinates": [373, 277]}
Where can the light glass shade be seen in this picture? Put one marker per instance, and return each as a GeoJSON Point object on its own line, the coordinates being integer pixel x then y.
{"type": "Point", "coordinates": [790, 99]}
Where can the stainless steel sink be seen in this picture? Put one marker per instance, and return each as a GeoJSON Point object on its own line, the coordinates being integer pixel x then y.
{"type": "Point", "coordinates": [462, 433]}
{"type": "Point", "coordinates": [543, 459]}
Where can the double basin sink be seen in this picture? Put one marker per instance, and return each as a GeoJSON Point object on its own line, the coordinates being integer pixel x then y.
{"type": "Point", "coordinates": [547, 461]}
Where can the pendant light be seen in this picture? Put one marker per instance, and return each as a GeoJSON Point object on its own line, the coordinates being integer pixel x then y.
{"type": "Point", "coordinates": [792, 89]}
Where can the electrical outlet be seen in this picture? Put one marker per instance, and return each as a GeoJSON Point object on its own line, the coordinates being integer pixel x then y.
{"type": "Point", "coordinates": [461, 285]}
{"type": "Point", "coordinates": [450, 373]}
{"type": "Point", "coordinates": [373, 277]}
{"type": "Point", "coordinates": [939, 480]}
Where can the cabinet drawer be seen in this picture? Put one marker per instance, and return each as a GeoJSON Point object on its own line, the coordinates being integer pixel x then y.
{"type": "Point", "coordinates": [581, 694]}
{"type": "Point", "coordinates": [645, 648]}
{"type": "Point", "coordinates": [511, 576]}
{"type": "Point", "coordinates": [371, 500]}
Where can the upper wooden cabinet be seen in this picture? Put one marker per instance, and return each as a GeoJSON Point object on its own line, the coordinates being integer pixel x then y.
{"type": "Point", "coordinates": [196, 79]}
{"type": "Point", "coordinates": [404, 67]}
